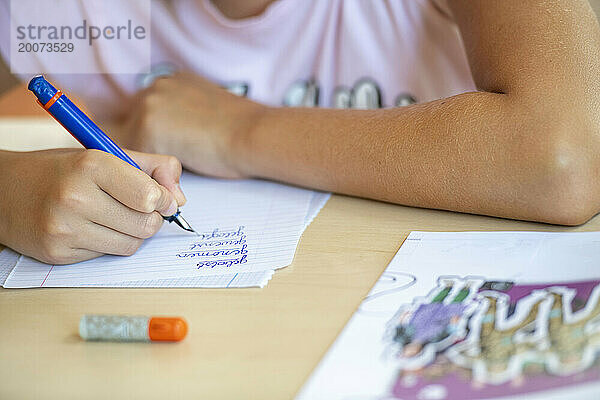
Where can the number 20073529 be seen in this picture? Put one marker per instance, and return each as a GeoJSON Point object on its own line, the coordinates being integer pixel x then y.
{"type": "Point", "coordinates": [43, 47]}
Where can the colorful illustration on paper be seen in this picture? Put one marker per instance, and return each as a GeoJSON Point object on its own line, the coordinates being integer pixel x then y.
{"type": "Point", "coordinates": [474, 338]}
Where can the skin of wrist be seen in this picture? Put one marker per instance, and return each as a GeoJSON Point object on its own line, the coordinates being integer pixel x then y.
{"type": "Point", "coordinates": [239, 155]}
{"type": "Point", "coordinates": [9, 165]}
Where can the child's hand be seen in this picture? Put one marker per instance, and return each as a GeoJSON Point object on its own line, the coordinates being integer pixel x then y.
{"type": "Point", "coordinates": [195, 120]}
{"type": "Point", "coordinates": [64, 206]}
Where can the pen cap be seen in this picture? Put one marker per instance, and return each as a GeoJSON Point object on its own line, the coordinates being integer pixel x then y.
{"type": "Point", "coordinates": [167, 329]}
{"type": "Point", "coordinates": [42, 89]}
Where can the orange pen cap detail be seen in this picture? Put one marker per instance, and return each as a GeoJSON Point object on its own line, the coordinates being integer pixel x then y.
{"type": "Point", "coordinates": [167, 329]}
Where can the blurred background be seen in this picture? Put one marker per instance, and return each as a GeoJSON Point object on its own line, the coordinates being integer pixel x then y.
{"type": "Point", "coordinates": [7, 81]}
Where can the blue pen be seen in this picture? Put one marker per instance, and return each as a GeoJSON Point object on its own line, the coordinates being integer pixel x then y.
{"type": "Point", "coordinates": [83, 129]}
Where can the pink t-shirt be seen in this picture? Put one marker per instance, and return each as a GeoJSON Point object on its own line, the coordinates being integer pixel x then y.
{"type": "Point", "coordinates": [326, 53]}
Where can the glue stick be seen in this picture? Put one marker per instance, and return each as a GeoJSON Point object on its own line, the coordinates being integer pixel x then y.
{"type": "Point", "coordinates": [121, 328]}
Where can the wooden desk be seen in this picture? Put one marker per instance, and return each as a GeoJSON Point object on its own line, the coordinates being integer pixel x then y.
{"type": "Point", "coordinates": [243, 343]}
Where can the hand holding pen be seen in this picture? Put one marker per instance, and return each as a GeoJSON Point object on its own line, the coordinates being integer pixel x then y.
{"type": "Point", "coordinates": [84, 129]}
{"type": "Point", "coordinates": [69, 205]}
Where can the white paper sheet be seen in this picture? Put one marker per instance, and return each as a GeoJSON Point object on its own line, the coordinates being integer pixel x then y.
{"type": "Point", "coordinates": [246, 226]}
{"type": "Point", "coordinates": [8, 260]}
{"type": "Point", "coordinates": [474, 316]}
{"type": "Point", "coordinates": [239, 280]}
{"type": "Point", "coordinates": [316, 204]}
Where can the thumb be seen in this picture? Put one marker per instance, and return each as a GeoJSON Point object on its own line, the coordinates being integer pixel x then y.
{"type": "Point", "coordinates": [166, 170]}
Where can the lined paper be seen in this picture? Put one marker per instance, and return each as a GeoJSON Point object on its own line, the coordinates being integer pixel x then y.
{"type": "Point", "coordinates": [8, 260]}
{"type": "Point", "coordinates": [241, 280]}
{"type": "Point", "coordinates": [246, 227]}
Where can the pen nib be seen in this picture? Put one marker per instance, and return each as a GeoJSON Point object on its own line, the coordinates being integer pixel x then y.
{"type": "Point", "coordinates": [179, 220]}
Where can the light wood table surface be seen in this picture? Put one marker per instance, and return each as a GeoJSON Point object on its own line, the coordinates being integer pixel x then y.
{"type": "Point", "coordinates": [243, 343]}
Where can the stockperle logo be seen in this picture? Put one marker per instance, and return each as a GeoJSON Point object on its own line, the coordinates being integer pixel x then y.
{"type": "Point", "coordinates": [80, 36]}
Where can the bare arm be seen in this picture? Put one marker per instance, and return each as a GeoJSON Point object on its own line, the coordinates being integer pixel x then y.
{"type": "Point", "coordinates": [525, 146]}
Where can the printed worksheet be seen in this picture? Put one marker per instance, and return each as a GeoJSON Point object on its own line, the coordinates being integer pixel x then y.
{"type": "Point", "coordinates": [502, 315]}
{"type": "Point", "coordinates": [246, 229]}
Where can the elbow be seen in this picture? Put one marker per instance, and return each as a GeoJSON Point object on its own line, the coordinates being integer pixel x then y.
{"type": "Point", "coordinates": [565, 174]}
{"type": "Point", "coordinates": [569, 205]}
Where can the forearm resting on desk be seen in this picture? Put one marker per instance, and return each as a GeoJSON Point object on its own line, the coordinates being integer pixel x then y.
{"type": "Point", "coordinates": [526, 146]}
{"type": "Point", "coordinates": [481, 153]}
{"type": "Point", "coordinates": [499, 154]}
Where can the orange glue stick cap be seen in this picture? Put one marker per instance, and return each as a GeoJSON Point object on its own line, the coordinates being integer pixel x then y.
{"type": "Point", "coordinates": [167, 329]}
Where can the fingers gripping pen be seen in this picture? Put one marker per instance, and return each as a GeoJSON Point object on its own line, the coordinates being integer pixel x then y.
{"type": "Point", "coordinates": [83, 129]}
